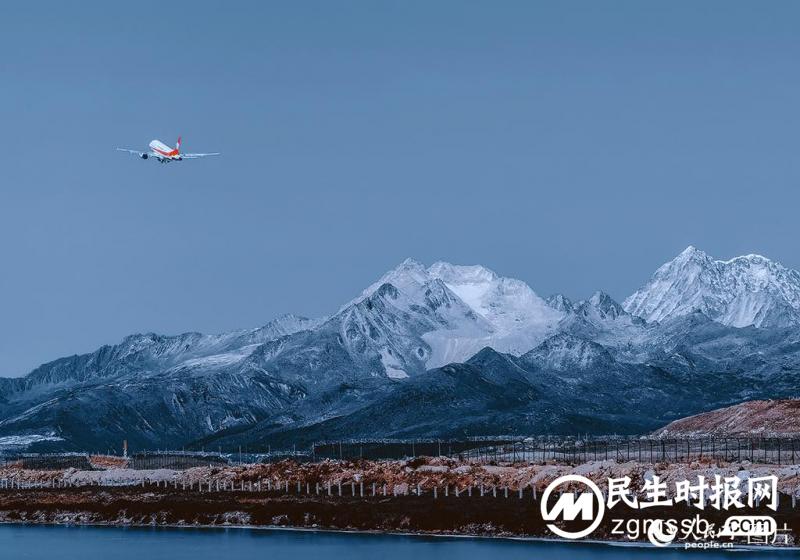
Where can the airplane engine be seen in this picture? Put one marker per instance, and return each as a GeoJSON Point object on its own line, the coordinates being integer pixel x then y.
{"type": "Point", "coordinates": [144, 156]}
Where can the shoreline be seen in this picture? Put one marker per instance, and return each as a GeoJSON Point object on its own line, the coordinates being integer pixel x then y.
{"type": "Point", "coordinates": [413, 498]}
{"type": "Point", "coordinates": [477, 517]}
{"type": "Point", "coordinates": [388, 533]}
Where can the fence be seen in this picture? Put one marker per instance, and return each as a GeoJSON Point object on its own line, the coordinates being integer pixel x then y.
{"type": "Point", "coordinates": [352, 488]}
{"type": "Point", "coordinates": [399, 449]}
{"type": "Point", "coordinates": [54, 461]}
{"type": "Point", "coordinates": [572, 450]}
{"type": "Point", "coordinates": [482, 450]}
{"type": "Point", "coordinates": [176, 460]}
{"type": "Point", "coordinates": [761, 450]}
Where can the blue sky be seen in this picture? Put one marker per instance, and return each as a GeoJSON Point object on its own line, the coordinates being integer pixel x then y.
{"type": "Point", "coordinates": [574, 145]}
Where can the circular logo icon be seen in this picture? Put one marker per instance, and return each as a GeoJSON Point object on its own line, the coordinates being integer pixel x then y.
{"type": "Point", "coordinates": [589, 506]}
{"type": "Point", "coordinates": [657, 535]}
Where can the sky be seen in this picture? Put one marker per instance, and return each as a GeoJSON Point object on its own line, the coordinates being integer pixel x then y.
{"type": "Point", "coordinates": [574, 145]}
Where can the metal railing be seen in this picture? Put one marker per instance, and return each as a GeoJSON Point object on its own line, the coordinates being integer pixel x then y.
{"type": "Point", "coordinates": [497, 449]}
{"type": "Point", "coordinates": [570, 449]}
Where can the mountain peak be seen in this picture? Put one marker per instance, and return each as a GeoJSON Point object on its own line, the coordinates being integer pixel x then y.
{"type": "Point", "coordinates": [600, 305]}
{"type": "Point", "coordinates": [461, 274]}
{"type": "Point", "coordinates": [692, 251]}
{"type": "Point", "coordinates": [745, 290]}
{"type": "Point", "coordinates": [564, 351]}
{"type": "Point", "coordinates": [408, 269]}
{"type": "Point", "coordinates": [601, 299]}
{"type": "Point", "coordinates": [560, 302]}
{"type": "Point", "coordinates": [409, 263]}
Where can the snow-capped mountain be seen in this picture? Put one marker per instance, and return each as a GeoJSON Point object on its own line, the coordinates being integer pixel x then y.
{"type": "Point", "coordinates": [444, 349]}
{"type": "Point", "coordinates": [746, 290]}
{"type": "Point", "coordinates": [565, 352]}
{"type": "Point", "coordinates": [480, 309]}
{"type": "Point", "coordinates": [560, 303]}
{"type": "Point", "coordinates": [518, 318]}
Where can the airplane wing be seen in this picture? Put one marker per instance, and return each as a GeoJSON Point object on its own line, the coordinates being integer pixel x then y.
{"type": "Point", "coordinates": [196, 156]}
{"type": "Point", "coordinates": [135, 152]}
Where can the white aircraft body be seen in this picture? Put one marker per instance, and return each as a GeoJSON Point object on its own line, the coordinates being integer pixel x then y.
{"type": "Point", "coordinates": [164, 153]}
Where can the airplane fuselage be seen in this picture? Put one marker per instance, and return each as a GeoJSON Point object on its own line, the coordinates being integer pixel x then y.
{"type": "Point", "coordinates": [163, 152]}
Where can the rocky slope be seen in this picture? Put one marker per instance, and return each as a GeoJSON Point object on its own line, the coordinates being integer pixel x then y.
{"type": "Point", "coordinates": [778, 418]}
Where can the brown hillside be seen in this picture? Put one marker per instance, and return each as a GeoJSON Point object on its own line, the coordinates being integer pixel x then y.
{"type": "Point", "coordinates": [778, 418]}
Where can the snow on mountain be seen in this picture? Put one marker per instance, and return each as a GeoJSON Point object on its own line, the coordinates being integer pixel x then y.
{"type": "Point", "coordinates": [145, 353]}
{"type": "Point", "coordinates": [594, 365]}
{"type": "Point", "coordinates": [383, 329]}
{"type": "Point", "coordinates": [743, 291]}
{"type": "Point", "coordinates": [482, 309]}
{"type": "Point", "coordinates": [518, 318]}
{"type": "Point", "coordinates": [601, 319]}
{"type": "Point", "coordinates": [602, 306]}
{"type": "Point", "coordinates": [560, 303]}
{"type": "Point", "coordinates": [564, 352]}
{"type": "Point", "coordinates": [509, 305]}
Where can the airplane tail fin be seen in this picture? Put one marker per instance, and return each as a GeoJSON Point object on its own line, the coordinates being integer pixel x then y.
{"type": "Point", "coordinates": [178, 145]}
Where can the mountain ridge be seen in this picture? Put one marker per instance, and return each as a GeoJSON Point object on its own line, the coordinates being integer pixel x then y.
{"type": "Point", "coordinates": [422, 337]}
{"type": "Point", "coordinates": [742, 291]}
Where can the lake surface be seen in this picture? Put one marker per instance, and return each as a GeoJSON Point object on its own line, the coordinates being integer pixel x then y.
{"type": "Point", "coordinates": [87, 543]}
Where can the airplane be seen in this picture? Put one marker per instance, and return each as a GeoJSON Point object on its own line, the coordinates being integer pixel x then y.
{"type": "Point", "coordinates": [165, 154]}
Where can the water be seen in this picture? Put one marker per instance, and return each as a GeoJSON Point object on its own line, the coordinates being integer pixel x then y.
{"type": "Point", "coordinates": [87, 543]}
